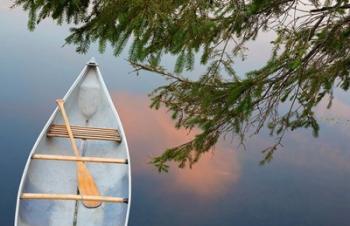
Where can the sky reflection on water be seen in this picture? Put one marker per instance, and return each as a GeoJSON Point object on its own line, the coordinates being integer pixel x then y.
{"type": "Point", "coordinates": [307, 183]}
{"type": "Point", "coordinates": [150, 132]}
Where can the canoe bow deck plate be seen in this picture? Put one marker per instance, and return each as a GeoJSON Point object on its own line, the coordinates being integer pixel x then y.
{"type": "Point", "coordinates": [48, 193]}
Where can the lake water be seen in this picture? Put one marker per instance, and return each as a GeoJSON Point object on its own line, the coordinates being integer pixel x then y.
{"type": "Point", "coordinates": [307, 183]}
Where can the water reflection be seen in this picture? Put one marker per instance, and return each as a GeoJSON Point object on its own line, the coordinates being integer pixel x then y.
{"type": "Point", "coordinates": [4, 5]}
{"type": "Point", "coordinates": [149, 132]}
{"type": "Point", "coordinates": [304, 185]}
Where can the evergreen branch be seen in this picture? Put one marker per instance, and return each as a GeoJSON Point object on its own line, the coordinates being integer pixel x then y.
{"type": "Point", "coordinates": [329, 8]}
{"type": "Point", "coordinates": [157, 70]}
{"type": "Point", "coordinates": [310, 57]}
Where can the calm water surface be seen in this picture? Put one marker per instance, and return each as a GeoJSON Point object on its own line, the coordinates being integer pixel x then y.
{"type": "Point", "coordinates": [306, 184]}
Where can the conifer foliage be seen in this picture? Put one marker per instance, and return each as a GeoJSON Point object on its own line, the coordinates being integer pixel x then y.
{"type": "Point", "coordinates": [310, 57]}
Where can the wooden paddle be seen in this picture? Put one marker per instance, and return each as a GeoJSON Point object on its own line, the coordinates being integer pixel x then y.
{"type": "Point", "coordinates": [86, 183]}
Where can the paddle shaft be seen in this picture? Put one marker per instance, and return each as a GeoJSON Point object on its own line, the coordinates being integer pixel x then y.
{"type": "Point", "coordinates": [60, 103]}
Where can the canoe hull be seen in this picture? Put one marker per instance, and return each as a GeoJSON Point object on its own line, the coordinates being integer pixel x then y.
{"type": "Point", "coordinates": [59, 177]}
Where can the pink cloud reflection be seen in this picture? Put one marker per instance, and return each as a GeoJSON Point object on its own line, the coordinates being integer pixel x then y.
{"type": "Point", "coordinates": [149, 132]}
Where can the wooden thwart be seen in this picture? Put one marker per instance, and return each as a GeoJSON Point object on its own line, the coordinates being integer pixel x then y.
{"type": "Point", "coordinates": [85, 128]}
{"type": "Point", "coordinates": [83, 159]}
{"type": "Point", "coordinates": [73, 197]}
{"type": "Point", "coordinates": [80, 132]}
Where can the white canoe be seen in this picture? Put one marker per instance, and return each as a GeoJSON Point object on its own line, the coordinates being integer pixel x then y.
{"type": "Point", "coordinates": [47, 194]}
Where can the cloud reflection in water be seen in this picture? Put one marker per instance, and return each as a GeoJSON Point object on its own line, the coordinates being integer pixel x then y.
{"type": "Point", "coordinates": [149, 132]}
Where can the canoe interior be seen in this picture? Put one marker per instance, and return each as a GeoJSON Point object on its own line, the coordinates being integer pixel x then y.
{"type": "Point", "coordinates": [49, 176]}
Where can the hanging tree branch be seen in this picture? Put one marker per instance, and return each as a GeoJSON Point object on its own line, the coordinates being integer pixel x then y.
{"type": "Point", "coordinates": [310, 57]}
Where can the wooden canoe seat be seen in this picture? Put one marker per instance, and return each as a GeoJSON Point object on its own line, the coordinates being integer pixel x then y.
{"type": "Point", "coordinates": [83, 159]}
{"type": "Point", "coordinates": [90, 133]}
{"type": "Point", "coordinates": [73, 197]}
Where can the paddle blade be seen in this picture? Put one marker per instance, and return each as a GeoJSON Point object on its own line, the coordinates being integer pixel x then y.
{"type": "Point", "coordinates": [87, 186]}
